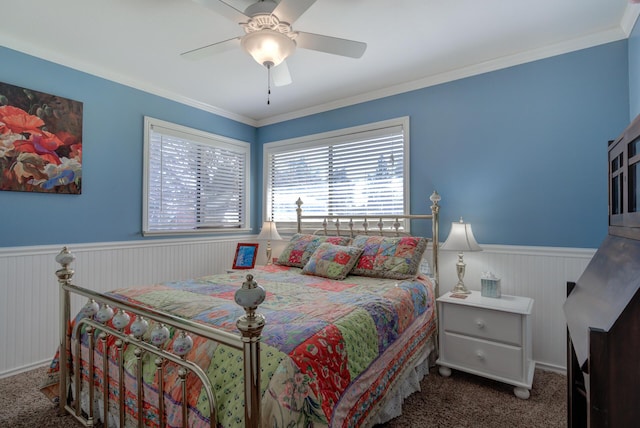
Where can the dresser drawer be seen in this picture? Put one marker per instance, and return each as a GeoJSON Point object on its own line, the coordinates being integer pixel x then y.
{"type": "Point", "coordinates": [497, 359]}
{"type": "Point", "coordinates": [482, 323]}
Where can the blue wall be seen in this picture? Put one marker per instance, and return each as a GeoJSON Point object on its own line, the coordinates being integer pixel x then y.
{"type": "Point", "coordinates": [110, 206]}
{"type": "Point", "coordinates": [520, 153]}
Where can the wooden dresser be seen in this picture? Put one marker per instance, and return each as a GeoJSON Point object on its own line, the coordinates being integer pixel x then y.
{"type": "Point", "coordinates": [603, 307]}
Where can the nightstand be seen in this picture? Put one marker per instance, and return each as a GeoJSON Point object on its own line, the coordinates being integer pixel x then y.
{"type": "Point", "coordinates": [489, 337]}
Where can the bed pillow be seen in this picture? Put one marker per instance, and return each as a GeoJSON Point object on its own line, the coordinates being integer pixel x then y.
{"type": "Point", "coordinates": [301, 247]}
{"type": "Point", "coordinates": [389, 257]}
{"type": "Point", "coordinates": [332, 261]}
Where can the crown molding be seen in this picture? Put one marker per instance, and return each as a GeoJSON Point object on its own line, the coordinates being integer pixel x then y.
{"type": "Point", "coordinates": [92, 69]}
{"type": "Point", "coordinates": [589, 41]}
{"type": "Point", "coordinates": [630, 18]}
{"type": "Point", "coordinates": [623, 31]}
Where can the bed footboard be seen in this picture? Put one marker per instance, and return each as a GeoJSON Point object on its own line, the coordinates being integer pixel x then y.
{"type": "Point", "coordinates": [104, 320]}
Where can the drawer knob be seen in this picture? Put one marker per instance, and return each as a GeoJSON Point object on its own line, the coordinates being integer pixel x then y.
{"type": "Point", "coordinates": [480, 355]}
{"type": "Point", "coordinates": [480, 323]}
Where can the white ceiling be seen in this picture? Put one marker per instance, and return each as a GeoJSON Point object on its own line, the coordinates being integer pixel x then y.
{"type": "Point", "coordinates": [411, 44]}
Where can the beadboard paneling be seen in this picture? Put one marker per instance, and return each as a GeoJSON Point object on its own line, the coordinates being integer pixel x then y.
{"type": "Point", "coordinates": [29, 303]}
{"type": "Point", "coordinates": [29, 289]}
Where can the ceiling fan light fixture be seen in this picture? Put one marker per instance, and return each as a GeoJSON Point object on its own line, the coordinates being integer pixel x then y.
{"type": "Point", "coordinates": [268, 47]}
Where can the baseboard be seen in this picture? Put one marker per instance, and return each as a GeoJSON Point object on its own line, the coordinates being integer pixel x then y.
{"type": "Point", "coordinates": [26, 368]}
{"type": "Point", "coordinates": [542, 366]}
{"type": "Point", "coordinates": [551, 368]}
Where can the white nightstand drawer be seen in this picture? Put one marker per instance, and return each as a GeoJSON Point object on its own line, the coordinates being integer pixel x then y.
{"type": "Point", "coordinates": [482, 323]}
{"type": "Point", "coordinates": [488, 357]}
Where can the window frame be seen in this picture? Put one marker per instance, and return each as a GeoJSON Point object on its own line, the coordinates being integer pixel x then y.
{"type": "Point", "coordinates": [327, 138]}
{"type": "Point", "coordinates": [217, 141]}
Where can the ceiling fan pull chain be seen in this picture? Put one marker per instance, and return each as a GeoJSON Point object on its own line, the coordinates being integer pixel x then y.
{"type": "Point", "coordinates": [268, 83]}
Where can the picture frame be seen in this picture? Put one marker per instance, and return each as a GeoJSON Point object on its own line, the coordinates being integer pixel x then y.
{"type": "Point", "coordinates": [246, 255]}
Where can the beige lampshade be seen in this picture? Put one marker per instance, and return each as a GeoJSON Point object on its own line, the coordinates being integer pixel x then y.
{"type": "Point", "coordinates": [461, 238]}
{"type": "Point", "coordinates": [269, 231]}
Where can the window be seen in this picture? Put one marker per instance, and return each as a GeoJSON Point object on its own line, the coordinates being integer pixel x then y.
{"type": "Point", "coordinates": [194, 182]}
{"type": "Point", "coordinates": [355, 171]}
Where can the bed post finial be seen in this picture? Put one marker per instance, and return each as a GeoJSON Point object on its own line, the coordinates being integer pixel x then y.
{"type": "Point", "coordinates": [299, 214]}
{"type": "Point", "coordinates": [249, 296]}
{"type": "Point", "coordinates": [250, 326]}
{"type": "Point", "coordinates": [435, 197]}
{"type": "Point", "coordinates": [65, 258]}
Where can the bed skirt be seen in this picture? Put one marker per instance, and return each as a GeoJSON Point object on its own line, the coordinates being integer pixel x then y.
{"type": "Point", "coordinates": [405, 386]}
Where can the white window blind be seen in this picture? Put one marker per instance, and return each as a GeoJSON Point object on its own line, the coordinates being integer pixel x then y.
{"type": "Point", "coordinates": [195, 181]}
{"type": "Point", "coordinates": [358, 172]}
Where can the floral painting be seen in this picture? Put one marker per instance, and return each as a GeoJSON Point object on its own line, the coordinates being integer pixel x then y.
{"type": "Point", "coordinates": [40, 142]}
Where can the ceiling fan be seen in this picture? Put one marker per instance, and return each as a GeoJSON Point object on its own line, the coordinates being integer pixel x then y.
{"type": "Point", "coordinates": [270, 39]}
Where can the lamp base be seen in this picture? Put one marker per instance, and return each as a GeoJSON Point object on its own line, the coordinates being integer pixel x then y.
{"type": "Point", "coordinates": [460, 289]}
{"type": "Point", "coordinates": [460, 268]}
{"type": "Point", "coordinates": [268, 253]}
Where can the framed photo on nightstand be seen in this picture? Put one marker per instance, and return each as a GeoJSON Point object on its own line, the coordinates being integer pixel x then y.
{"type": "Point", "coordinates": [245, 256]}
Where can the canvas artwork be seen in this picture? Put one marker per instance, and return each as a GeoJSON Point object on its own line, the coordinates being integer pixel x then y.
{"type": "Point", "coordinates": [40, 142]}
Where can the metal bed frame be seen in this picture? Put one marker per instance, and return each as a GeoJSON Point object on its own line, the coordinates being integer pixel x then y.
{"type": "Point", "coordinates": [95, 319]}
{"type": "Point", "coordinates": [99, 310]}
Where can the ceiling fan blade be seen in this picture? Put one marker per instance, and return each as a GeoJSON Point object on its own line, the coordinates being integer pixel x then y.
{"type": "Point", "coordinates": [290, 10]}
{"type": "Point", "coordinates": [280, 75]}
{"type": "Point", "coordinates": [213, 49]}
{"type": "Point", "coordinates": [332, 45]}
{"type": "Point", "coordinates": [225, 10]}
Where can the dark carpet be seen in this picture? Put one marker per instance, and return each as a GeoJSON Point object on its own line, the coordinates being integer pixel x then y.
{"type": "Point", "coordinates": [461, 400]}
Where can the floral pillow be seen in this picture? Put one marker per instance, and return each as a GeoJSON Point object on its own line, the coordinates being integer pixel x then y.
{"type": "Point", "coordinates": [301, 247]}
{"type": "Point", "coordinates": [332, 261]}
{"type": "Point", "coordinates": [389, 257]}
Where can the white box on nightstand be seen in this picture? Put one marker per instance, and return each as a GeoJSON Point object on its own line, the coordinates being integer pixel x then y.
{"type": "Point", "coordinates": [489, 337]}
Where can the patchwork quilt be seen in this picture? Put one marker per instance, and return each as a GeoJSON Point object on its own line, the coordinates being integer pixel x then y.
{"type": "Point", "coordinates": [330, 349]}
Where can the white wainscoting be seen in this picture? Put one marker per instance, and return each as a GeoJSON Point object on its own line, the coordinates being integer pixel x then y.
{"type": "Point", "coordinates": [29, 290]}
{"type": "Point", "coordinates": [29, 304]}
{"type": "Point", "coordinates": [540, 273]}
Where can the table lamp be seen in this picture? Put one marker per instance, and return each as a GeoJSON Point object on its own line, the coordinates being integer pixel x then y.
{"type": "Point", "coordinates": [460, 239]}
{"type": "Point", "coordinates": [269, 233]}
